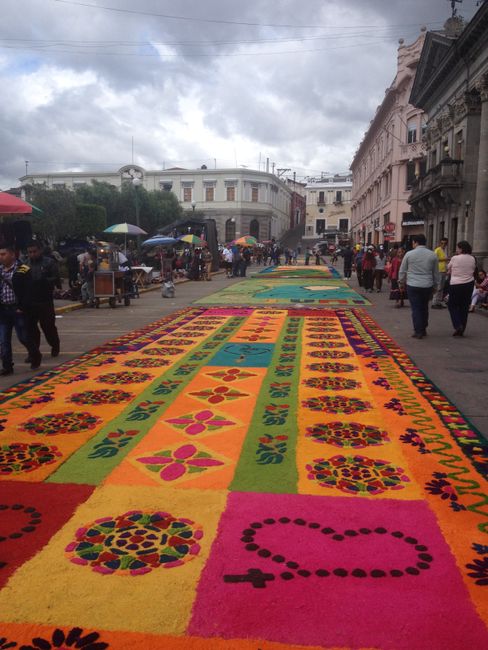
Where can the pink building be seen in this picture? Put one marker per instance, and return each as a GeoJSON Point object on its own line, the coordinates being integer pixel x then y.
{"type": "Point", "coordinates": [388, 160]}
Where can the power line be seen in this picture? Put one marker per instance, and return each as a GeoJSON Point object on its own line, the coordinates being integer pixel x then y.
{"type": "Point", "coordinates": [215, 20]}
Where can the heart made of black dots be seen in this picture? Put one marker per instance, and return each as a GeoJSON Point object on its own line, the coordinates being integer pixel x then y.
{"type": "Point", "coordinates": [35, 519]}
{"type": "Point", "coordinates": [423, 563]}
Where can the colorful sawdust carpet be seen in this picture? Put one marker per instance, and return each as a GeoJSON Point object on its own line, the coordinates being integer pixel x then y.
{"type": "Point", "coordinates": [329, 293]}
{"type": "Point", "coordinates": [298, 271]}
{"type": "Point", "coordinates": [241, 478]}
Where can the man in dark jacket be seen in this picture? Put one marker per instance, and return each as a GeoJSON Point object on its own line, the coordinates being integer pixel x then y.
{"type": "Point", "coordinates": [45, 276]}
{"type": "Point", "coordinates": [15, 305]}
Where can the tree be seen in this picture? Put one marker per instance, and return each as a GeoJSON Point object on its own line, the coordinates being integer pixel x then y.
{"type": "Point", "coordinates": [101, 193]}
{"type": "Point", "coordinates": [91, 220]}
{"type": "Point", "coordinates": [59, 212]}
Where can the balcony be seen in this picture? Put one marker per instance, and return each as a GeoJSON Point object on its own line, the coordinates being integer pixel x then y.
{"type": "Point", "coordinates": [440, 187]}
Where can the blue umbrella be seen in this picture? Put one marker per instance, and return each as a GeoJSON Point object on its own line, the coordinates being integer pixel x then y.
{"type": "Point", "coordinates": [159, 240]}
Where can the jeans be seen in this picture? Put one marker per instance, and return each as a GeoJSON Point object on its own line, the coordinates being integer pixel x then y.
{"type": "Point", "coordinates": [419, 302]}
{"type": "Point", "coordinates": [11, 319]}
{"type": "Point", "coordinates": [439, 295]}
{"type": "Point", "coordinates": [458, 304]}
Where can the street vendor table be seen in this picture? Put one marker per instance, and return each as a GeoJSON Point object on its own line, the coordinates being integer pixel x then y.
{"type": "Point", "coordinates": [142, 275]}
{"type": "Point", "coordinates": [112, 285]}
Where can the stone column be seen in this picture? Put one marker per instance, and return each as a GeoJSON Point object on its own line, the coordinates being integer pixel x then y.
{"type": "Point", "coordinates": [480, 238]}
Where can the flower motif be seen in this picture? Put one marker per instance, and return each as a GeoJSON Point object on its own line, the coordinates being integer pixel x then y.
{"type": "Point", "coordinates": [479, 571]}
{"type": "Point", "coordinates": [357, 474]}
{"type": "Point", "coordinates": [172, 465]}
{"type": "Point", "coordinates": [347, 434]}
{"type": "Point", "coordinates": [67, 422]}
{"type": "Point", "coordinates": [162, 351]}
{"type": "Point", "coordinates": [21, 457]}
{"type": "Point", "coordinates": [331, 383]}
{"type": "Point", "coordinates": [218, 394]}
{"type": "Point", "coordinates": [203, 421]}
{"type": "Point", "coordinates": [71, 639]}
{"type": "Point", "coordinates": [327, 344]}
{"type": "Point", "coordinates": [124, 378]}
{"type": "Point", "coordinates": [439, 486]}
{"type": "Point", "coordinates": [331, 366]}
{"type": "Point", "coordinates": [412, 438]}
{"type": "Point", "coordinates": [329, 354]}
{"type": "Point", "coordinates": [337, 404]}
{"type": "Point", "coordinates": [146, 363]}
{"type": "Point", "coordinates": [231, 374]}
{"type": "Point", "coordinates": [100, 397]}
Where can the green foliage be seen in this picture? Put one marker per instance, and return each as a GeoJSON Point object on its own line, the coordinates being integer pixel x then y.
{"type": "Point", "coordinates": [90, 208]}
{"type": "Point", "coordinates": [91, 220]}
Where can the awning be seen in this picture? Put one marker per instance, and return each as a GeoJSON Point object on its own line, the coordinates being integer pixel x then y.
{"type": "Point", "coordinates": [10, 204]}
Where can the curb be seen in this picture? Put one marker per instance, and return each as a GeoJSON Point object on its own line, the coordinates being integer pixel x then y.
{"type": "Point", "coordinates": [65, 309]}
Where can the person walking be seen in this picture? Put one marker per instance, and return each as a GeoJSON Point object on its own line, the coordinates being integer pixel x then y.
{"type": "Point", "coordinates": [368, 266]}
{"type": "Point", "coordinates": [419, 273]}
{"type": "Point", "coordinates": [45, 276]}
{"type": "Point", "coordinates": [379, 270]}
{"type": "Point", "coordinates": [347, 256]}
{"type": "Point", "coordinates": [396, 293]}
{"type": "Point", "coordinates": [358, 263]}
{"type": "Point", "coordinates": [461, 270]}
{"type": "Point", "coordinates": [15, 304]}
{"type": "Point", "coordinates": [440, 251]}
{"type": "Point", "coordinates": [308, 255]}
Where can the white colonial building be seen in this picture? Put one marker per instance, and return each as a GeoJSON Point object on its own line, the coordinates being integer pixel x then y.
{"type": "Point", "coordinates": [241, 201]}
{"type": "Point", "coordinates": [328, 208]}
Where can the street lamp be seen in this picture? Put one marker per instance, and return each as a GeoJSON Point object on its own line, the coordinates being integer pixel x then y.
{"type": "Point", "coordinates": [136, 182]}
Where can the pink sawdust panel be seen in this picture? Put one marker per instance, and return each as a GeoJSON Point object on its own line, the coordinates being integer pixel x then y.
{"type": "Point", "coordinates": [298, 569]}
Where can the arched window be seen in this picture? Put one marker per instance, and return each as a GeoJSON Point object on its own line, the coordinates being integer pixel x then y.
{"type": "Point", "coordinates": [230, 230]}
{"type": "Point", "coordinates": [254, 228]}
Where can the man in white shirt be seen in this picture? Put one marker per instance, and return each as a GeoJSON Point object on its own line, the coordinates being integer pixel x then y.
{"type": "Point", "coordinates": [228, 259]}
{"type": "Point", "coordinates": [419, 272]}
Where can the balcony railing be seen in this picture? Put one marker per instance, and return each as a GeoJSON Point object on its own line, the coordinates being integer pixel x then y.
{"type": "Point", "coordinates": [448, 174]}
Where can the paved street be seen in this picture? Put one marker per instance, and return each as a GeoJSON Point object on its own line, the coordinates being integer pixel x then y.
{"type": "Point", "coordinates": [456, 365]}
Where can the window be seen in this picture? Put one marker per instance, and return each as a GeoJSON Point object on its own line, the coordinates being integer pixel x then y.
{"type": "Point", "coordinates": [187, 194]}
{"type": "Point", "coordinates": [231, 193]}
{"type": "Point", "coordinates": [254, 228]}
{"type": "Point", "coordinates": [166, 186]}
{"type": "Point", "coordinates": [412, 131]}
{"type": "Point", "coordinates": [209, 192]}
{"type": "Point", "coordinates": [343, 225]}
{"type": "Point", "coordinates": [338, 196]}
{"type": "Point", "coordinates": [458, 149]}
{"type": "Point", "coordinates": [410, 180]}
{"type": "Point", "coordinates": [254, 193]}
{"type": "Point", "coordinates": [433, 158]}
{"type": "Point", "coordinates": [424, 126]}
{"type": "Point", "coordinates": [230, 230]}
{"type": "Point", "coordinates": [59, 186]}
{"type": "Point", "coordinates": [321, 198]}
{"type": "Point", "coordinates": [319, 226]}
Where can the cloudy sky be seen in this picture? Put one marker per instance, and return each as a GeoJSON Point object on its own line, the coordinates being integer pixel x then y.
{"type": "Point", "coordinates": [220, 82]}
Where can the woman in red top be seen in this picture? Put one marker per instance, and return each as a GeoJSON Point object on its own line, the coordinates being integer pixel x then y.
{"type": "Point", "coordinates": [396, 292]}
{"type": "Point", "coordinates": [368, 265]}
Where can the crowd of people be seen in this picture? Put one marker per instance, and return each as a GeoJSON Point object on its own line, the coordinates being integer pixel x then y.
{"type": "Point", "coordinates": [421, 275]}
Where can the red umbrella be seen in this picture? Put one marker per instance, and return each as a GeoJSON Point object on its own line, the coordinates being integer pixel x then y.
{"type": "Point", "coordinates": [10, 204]}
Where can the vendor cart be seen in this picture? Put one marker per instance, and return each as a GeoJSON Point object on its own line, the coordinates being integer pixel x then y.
{"type": "Point", "coordinates": [111, 280]}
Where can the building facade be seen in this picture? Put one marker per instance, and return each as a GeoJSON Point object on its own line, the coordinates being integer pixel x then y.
{"type": "Point", "coordinates": [241, 201]}
{"type": "Point", "coordinates": [388, 159]}
{"type": "Point", "coordinates": [452, 87]}
{"type": "Point", "coordinates": [328, 215]}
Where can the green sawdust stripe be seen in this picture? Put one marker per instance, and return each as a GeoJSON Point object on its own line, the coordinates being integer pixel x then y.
{"type": "Point", "coordinates": [93, 462]}
{"type": "Point", "coordinates": [267, 460]}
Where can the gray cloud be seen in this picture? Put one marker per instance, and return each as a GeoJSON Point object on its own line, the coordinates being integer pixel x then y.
{"type": "Point", "coordinates": [84, 81]}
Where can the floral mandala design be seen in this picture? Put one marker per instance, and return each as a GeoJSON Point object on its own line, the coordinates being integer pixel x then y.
{"type": "Point", "coordinates": [135, 543]}
{"type": "Point", "coordinates": [337, 404]}
{"type": "Point", "coordinates": [146, 363]}
{"type": "Point", "coordinates": [329, 354]}
{"type": "Point", "coordinates": [182, 462]}
{"type": "Point", "coordinates": [60, 639]}
{"type": "Point", "coordinates": [231, 374]}
{"type": "Point", "coordinates": [218, 394]}
{"type": "Point", "coordinates": [124, 378]}
{"type": "Point", "coordinates": [53, 424]}
{"type": "Point", "coordinates": [101, 397]}
{"type": "Point", "coordinates": [176, 342]}
{"type": "Point", "coordinates": [332, 383]}
{"type": "Point", "coordinates": [161, 351]}
{"type": "Point", "coordinates": [357, 475]}
{"type": "Point", "coordinates": [202, 422]}
{"type": "Point", "coordinates": [330, 366]}
{"type": "Point", "coordinates": [347, 434]}
{"type": "Point", "coordinates": [21, 457]}
{"type": "Point", "coordinates": [326, 344]}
